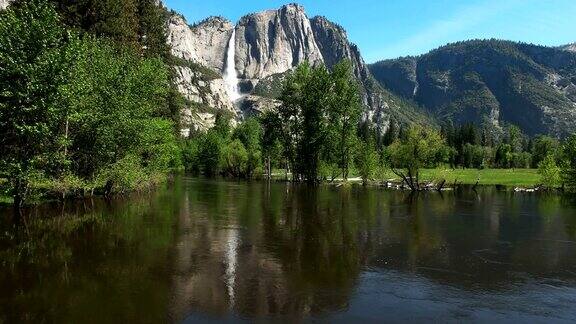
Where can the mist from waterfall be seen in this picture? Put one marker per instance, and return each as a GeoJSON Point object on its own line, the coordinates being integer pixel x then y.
{"type": "Point", "coordinates": [230, 74]}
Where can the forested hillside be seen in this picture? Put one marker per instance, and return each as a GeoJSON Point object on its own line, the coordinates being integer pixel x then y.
{"type": "Point", "coordinates": [492, 82]}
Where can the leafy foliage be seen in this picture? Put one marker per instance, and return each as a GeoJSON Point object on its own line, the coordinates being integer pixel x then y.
{"type": "Point", "coordinates": [77, 107]}
{"type": "Point", "coordinates": [569, 164]}
{"type": "Point", "coordinates": [35, 51]}
{"type": "Point", "coordinates": [549, 172]}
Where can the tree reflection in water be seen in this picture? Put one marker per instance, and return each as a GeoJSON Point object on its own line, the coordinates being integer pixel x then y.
{"type": "Point", "coordinates": [224, 250]}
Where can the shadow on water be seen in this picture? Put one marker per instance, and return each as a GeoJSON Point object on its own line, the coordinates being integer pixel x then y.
{"type": "Point", "coordinates": [210, 250]}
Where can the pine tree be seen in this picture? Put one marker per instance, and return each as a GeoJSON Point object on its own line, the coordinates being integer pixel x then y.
{"type": "Point", "coordinates": [152, 29]}
{"type": "Point", "coordinates": [117, 20]}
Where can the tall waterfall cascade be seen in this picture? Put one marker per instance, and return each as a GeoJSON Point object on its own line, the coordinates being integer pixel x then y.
{"type": "Point", "coordinates": [230, 74]}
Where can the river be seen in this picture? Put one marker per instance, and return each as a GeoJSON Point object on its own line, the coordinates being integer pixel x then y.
{"type": "Point", "coordinates": [218, 251]}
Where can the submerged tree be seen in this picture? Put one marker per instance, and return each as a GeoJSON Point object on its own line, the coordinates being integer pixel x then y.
{"type": "Point", "coordinates": [344, 113]}
{"type": "Point", "coordinates": [271, 140]}
{"type": "Point", "coordinates": [421, 147]}
{"type": "Point", "coordinates": [250, 135]}
{"type": "Point", "coordinates": [549, 172]}
{"type": "Point", "coordinates": [305, 98]}
{"type": "Point", "coordinates": [569, 164]}
{"type": "Point", "coordinates": [320, 114]}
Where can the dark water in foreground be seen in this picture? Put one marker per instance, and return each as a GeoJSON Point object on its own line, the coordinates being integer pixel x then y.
{"type": "Point", "coordinates": [213, 251]}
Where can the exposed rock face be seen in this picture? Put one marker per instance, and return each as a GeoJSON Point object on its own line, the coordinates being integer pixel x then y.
{"type": "Point", "coordinates": [4, 4]}
{"type": "Point", "coordinates": [570, 47]}
{"type": "Point", "coordinates": [205, 98]}
{"type": "Point", "coordinates": [274, 41]}
{"type": "Point", "coordinates": [399, 75]}
{"type": "Point", "coordinates": [267, 45]}
{"type": "Point", "coordinates": [204, 43]}
{"type": "Point", "coordinates": [333, 43]}
{"type": "Point", "coordinates": [490, 82]}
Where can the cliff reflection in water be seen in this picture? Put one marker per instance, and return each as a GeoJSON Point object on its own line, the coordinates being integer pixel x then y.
{"type": "Point", "coordinates": [300, 251]}
{"type": "Point", "coordinates": [290, 252]}
{"type": "Point", "coordinates": [228, 251]}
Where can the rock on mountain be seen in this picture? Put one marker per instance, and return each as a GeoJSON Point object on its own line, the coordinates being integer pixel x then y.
{"type": "Point", "coordinates": [205, 42]}
{"type": "Point", "coordinates": [570, 47]}
{"type": "Point", "coordinates": [274, 41]}
{"type": "Point", "coordinates": [4, 4]}
{"type": "Point", "coordinates": [267, 45]}
{"type": "Point", "coordinates": [490, 82]}
{"type": "Point", "coordinates": [199, 53]}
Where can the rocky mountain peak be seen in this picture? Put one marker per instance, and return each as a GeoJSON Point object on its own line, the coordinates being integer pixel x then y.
{"type": "Point", "coordinates": [570, 47]}
{"type": "Point", "coordinates": [204, 43]}
{"type": "Point", "coordinates": [293, 7]}
{"type": "Point", "coordinates": [217, 22]}
{"type": "Point", "coordinates": [4, 4]}
{"type": "Point", "coordinates": [322, 21]}
{"type": "Point", "coordinates": [274, 41]}
{"type": "Point", "coordinates": [267, 44]}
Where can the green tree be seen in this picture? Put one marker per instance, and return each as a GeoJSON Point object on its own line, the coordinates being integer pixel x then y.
{"type": "Point", "coordinates": [222, 125]}
{"type": "Point", "coordinates": [367, 161]}
{"type": "Point", "coordinates": [521, 160]}
{"type": "Point", "coordinates": [503, 157]}
{"type": "Point", "coordinates": [343, 114]}
{"type": "Point", "coordinates": [542, 146]}
{"type": "Point", "coordinates": [271, 140]}
{"type": "Point", "coordinates": [515, 139]}
{"type": "Point", "coordinates": [114, 96]}
{"type": "Point", "coordinates": [319, 114]}
{"type": "Point", "coordinates": [191, 155]}
{"type": "Point", "coordinates": [250, 135]}
{"type": "Point", "coordinates": [421, 147]}
{"type": "Point", "coordinates": [569, 164]}
{"type": "Point", "coordinates": [305, 98]}
{"type": "Point", "coordinates": [391, 134]}
{"type": "Point", "coordinates": [549, 172]}
{"type": "Point", "coordinates": [34, 64]}
{"type": "Point", "coordinates": [117, 20]}
{"type": "Point", "coordinates": [235, 159]}
{"type": "Point", "coordinates": [211, 152]}
{"type": "Point", "coordinates": [152, 29]}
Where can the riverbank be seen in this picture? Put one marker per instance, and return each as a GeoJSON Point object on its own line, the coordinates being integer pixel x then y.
{"type": "Point", "coordinates": [526, 178]}
{"type": "Point", "coordinates": [44, 190]}
{"type": "Point", "coordinates": [485, 177]}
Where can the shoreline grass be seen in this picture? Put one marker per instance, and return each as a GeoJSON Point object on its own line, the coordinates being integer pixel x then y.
{"type": "Point", "coordinates": [493, 177]}
{"type": "Point", "coordinates": [484, 177]}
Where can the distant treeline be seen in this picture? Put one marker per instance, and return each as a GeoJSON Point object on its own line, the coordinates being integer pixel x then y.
{"type": "Point", "coordinates": [319, 133]}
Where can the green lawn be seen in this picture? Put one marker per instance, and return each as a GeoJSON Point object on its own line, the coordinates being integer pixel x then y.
{"type": "Point", "coordinates": [506, 177]}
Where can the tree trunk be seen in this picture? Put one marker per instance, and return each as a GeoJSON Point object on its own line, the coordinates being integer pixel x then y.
{"type": "Point", "coordinates": [269, 167]}
{"type": "Point", "coordinates": [66, 137]}
{"type": "Point", "coordinates": [20, 192]}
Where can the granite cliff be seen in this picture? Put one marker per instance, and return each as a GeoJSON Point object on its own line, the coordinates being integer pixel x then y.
{"type": "Point", "coordinates": [267, 45]}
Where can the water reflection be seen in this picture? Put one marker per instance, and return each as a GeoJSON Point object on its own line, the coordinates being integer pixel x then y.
{"type": "Point", "coordinates": [214, 250]}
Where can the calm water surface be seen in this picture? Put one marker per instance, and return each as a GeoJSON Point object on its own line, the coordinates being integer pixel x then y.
{"type": "Point", "coordinates": [215, 251]}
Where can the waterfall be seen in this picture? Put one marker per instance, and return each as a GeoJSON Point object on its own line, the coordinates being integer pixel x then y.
{"type": "Point", "coordinates": [230, 74]}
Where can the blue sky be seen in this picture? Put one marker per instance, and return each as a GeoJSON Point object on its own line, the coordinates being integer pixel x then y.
{"type": "Point", "coordinates": [392, 28]}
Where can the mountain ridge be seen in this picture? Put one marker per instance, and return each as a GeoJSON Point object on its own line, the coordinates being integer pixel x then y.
{"type": "Point", "coordinates": [493, 82]}
{"type": "Point", "coordinates": [269, 44]}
